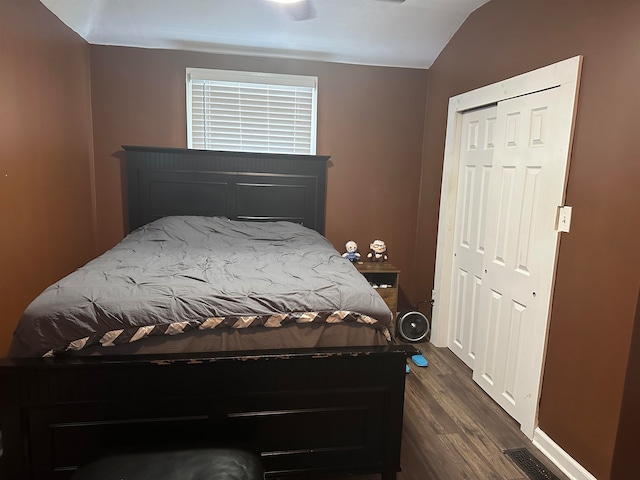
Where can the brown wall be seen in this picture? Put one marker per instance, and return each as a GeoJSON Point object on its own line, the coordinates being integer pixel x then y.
{"type": "Point", "coordinates": [370, 120]}
{"type": "Point", "coordinates": [625, 464]}
{"type": "Point", "coordinates": [46, 219]}
{"type": "Point", "coordinates": [597, 276]}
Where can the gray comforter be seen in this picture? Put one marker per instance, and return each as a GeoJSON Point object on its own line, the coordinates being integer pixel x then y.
{"type": "Point", "coordinates": [181, 273]}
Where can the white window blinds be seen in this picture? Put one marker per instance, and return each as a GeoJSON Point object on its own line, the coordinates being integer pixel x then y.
{"type": "Point", "coordinates": [251, 112]}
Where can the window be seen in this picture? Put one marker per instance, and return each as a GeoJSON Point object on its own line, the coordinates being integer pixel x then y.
{"type": "Point", "coordinates": [251, 112]}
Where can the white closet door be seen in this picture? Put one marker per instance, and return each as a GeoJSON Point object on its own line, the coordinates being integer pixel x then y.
{"type": "Point", "coordinates": [476, 158]}
{"type": "Point", "coordinates": [533, 134]}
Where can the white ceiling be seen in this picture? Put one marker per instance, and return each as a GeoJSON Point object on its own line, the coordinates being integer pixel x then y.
{"type": "Point", "coordinates": [368, 32]}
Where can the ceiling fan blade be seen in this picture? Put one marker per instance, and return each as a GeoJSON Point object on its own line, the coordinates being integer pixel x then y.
{"type": "Point", "coordinates": [301, 10]}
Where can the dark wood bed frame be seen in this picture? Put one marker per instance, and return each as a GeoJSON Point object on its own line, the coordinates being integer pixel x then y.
{"type": "Point", "coordinates": [239, 186]}
{"type": "Point", "coordinates": [307, 412]}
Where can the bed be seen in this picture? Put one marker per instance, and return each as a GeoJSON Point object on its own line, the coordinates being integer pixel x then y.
{"type": "Point", "coordinates": [292, 359]}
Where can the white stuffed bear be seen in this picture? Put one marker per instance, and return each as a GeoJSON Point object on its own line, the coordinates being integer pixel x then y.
{"type": "Point", "coordinates": [352, 251]}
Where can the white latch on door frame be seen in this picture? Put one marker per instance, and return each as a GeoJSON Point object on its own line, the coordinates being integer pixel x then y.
{"type": "Point", "coordinates": [564, 219]}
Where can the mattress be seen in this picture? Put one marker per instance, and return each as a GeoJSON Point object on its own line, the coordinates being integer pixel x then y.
{"type": "Point", "coordinates": [181, 277]}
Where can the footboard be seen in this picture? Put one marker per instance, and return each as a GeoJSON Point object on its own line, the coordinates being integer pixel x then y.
{"type": "Point", "coordinates": [324, 412]}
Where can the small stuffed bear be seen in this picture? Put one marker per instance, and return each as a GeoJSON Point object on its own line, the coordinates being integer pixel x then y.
{"type": "Point", "coordinates": [378, 251]}
{"type": "Point", "coordinates": [352, 251]}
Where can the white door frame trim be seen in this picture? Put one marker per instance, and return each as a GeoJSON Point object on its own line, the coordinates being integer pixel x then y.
{"type": "Point", "coordinates": [561, 73]}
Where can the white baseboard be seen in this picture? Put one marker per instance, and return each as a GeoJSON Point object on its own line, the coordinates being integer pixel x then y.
{"type": "Point", "coordinates": [559, 457]}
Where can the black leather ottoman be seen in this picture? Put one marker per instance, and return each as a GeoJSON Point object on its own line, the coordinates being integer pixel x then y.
{"type": "Point", "coordinates": [201, 464]}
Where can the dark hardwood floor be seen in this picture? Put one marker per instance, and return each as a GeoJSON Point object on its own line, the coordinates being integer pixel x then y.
{"type": "Point", "coordinates": [453, 430]}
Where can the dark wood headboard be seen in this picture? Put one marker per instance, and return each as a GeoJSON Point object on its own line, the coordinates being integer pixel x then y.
{"type": "Point", "coordinates": [236, 185]}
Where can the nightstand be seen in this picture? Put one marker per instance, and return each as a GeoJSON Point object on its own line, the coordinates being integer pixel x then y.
{"type": "Point", "coordinates": [380, 274]}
